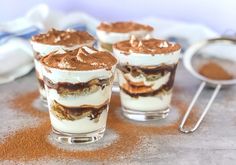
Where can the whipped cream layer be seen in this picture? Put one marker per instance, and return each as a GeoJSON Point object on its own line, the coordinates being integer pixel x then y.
{"type": "Point", "coordinates": [45, 49]}
{"type": "Point", "coordinates": [113, 37]}
{"type": "Point", "coordinates": [93, 98]}
{"type": "Point", "coordinates": [152, 103]}
{"type": "Point", "coordinates": [57, 75]}
{"type": "Point", "coordinates": [111, 33]}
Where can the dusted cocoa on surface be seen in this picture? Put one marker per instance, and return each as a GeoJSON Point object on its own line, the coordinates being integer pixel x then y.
{"type": "Point", "coordinates": [28, 144]}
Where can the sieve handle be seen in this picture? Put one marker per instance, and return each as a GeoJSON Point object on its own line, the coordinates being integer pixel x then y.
{"type": "Point", "coordinates": [201, 87]}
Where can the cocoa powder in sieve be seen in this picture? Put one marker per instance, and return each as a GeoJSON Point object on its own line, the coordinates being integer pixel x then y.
{"type": "Point", "coordinates": [214, 71]}
{"type": "Point", "coordinates": [32, 144]}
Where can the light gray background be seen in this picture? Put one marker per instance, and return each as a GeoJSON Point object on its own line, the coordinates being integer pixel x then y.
{"type": "Point", "coordinates": [219, 15]}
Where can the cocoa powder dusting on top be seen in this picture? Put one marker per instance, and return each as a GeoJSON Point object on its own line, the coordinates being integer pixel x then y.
{"type": "Point", "coordinates": [67, 37]}
{"type": "Point", "coordinates": [214, 71]}
{"type": "Point", "coordinates": [147, 46]}
{"type": "Point", "coordinates": [123, 27]}
{"type": "Point", "coordinates": [81, 59]}
{"type": "Point", "coordinates": [32, 143]}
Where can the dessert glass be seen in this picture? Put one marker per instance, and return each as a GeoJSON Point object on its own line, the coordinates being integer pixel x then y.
{"type": "Point", "coordinates": [55, 40]}
{"type": "Point", "coordinates": [78, 98]}
{"type": "Point", "coordinates": [111, 33]}
{"type": "Point", "coordinates": [146, 75]}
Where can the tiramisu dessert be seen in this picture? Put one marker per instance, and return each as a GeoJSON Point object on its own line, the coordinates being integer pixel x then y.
{"type": "Point", "coordinates": [55, 40]}
{"type": "Point", "coordinates": [146, 75]}
{"type": "Point", "coordinates": [111, 33]}
{"type": "Point", "coordinates": [78, 85]}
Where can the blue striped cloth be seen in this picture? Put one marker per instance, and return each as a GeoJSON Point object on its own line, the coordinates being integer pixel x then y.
{"type": "Point", "coordinates": [24, 33]}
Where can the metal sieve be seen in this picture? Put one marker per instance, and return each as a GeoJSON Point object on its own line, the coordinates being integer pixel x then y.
{"type": "Point", "coordinates": [221, 51]}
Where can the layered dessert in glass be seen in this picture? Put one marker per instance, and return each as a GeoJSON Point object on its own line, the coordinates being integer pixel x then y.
{"type": "Point", "coordinates": [146, 74]}
{"type": "Point", "coordinates": [78, 85]}
{"type": "Point", "coordinates": [111, 33]}
{"type": "Point", "coordinates": [56, 40]}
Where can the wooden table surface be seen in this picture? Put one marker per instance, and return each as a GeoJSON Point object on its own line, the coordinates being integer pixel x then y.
{"type": "Point", "coordinates": [125, 142]}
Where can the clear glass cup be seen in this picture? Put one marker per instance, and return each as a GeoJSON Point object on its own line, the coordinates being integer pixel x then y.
{"type": "Point", "coordinates": [106, 39]}
{"type": "Point", "coordinates": [78, 103]}
{"type": "Point", "coordinates": [121, 31]}
{"type": "Point", "coordinates": [146, 82]}
{"type": "Point", "coordinates": [41, 50]}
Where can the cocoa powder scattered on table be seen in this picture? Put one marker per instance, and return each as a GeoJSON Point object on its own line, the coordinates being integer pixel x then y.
{"type": "Point", "coordinates": [214, 71]}
{"type": "Point", "coordinates": [32, 144]}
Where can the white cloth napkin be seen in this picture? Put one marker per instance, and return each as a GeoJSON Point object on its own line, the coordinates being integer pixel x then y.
{"type": "Point", "coordinates": [16, 56]}
{"type": "Point", "coordinates": [15, 59]}
{"type": "Point", "coordinates": [181, 32]}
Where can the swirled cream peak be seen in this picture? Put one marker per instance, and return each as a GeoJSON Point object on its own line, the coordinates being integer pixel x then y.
{"type": "Point", "coordinates": [59, 37]}
{"type": "Point", "coordinates": [84, 58]}
{"type": "Point", "coordinates": [148, 46]}
{"type": "Point", "coordinates": [123, 27]}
